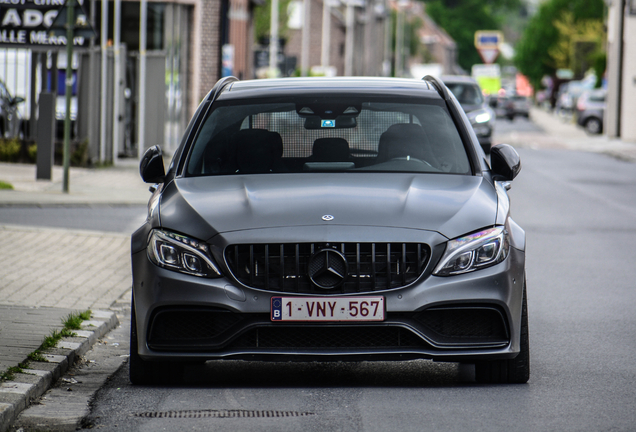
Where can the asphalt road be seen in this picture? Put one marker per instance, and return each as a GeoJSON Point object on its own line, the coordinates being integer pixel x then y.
{"type": "Point", "coordinates": [578, 210]}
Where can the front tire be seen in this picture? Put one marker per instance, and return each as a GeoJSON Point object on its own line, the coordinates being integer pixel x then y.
{"type": "Point", "coordinates": [513, 371]}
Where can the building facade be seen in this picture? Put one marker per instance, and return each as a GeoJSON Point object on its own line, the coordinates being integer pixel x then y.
{"type": "Point", "coordinates": [186, 40]}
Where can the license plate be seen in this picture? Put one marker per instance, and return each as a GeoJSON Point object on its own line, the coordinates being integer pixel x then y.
{"type": "Point", "coordinates": [328, 309]}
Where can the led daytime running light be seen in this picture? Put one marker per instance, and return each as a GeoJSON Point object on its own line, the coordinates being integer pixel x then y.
{"type": "Point", "coordinates": [180, 253]}
{"type": "Point", "coordinates": [475, 251]}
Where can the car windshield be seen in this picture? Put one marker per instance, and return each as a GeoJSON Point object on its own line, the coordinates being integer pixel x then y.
{"type": "Point", "coordinates": [327, 135]}
{"type": "Point", "coordinates": [466, 93]}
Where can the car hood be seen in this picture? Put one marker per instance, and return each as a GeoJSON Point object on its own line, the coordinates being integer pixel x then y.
{"type": "Point", "coordinates": [452, 205]}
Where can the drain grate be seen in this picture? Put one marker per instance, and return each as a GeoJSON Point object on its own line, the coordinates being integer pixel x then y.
{"type": "Point", "coordinates": [222, 414]}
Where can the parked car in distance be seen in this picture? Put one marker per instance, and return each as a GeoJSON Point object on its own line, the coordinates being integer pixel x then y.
{"type": "Point", "coordinates": [330, 219]}
{"type": "Point", "coordinates": [481, 115]}
{"type": "Point", "coordinates": [590, 109]}
{"type": "Point", "coordinates": [569, 94]}
{"type": "Point", "coordinates": [10, 119]}
{"type": "Point", "coordinates": [520, 106]}
{"type": "Point", "coordinates": [503, 107]}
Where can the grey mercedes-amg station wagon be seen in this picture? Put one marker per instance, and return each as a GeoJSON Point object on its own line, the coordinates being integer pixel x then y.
{"type": "Point", "coordinates": [330, 219]}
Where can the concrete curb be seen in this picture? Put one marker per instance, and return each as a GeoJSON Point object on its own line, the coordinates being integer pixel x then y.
{"type": "Point", "coordinates": [15, 396]}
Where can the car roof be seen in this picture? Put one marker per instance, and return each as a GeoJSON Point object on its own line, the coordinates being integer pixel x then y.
{"type": "Point", "coordinates": [329, 86]}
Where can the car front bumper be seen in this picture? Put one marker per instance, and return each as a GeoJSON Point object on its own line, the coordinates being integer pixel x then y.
{"type": "Point", "coordinates": [183, 317]}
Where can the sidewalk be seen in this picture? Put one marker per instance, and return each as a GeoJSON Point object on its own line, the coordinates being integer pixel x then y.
{"type": "Point", "coordinates": [560, 134]}
{"type": "Point", "coordinates": [116, 185]}
{"type": "Point", "coordinates": [48, 273]}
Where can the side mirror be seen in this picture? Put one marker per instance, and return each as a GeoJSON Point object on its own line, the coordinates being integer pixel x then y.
{"type": "Point", "coordinates": [151, 166]}
{"type": "Point", "coordinates": [505, 162]}
{"type": "Point", "coordinates": [17, 100]}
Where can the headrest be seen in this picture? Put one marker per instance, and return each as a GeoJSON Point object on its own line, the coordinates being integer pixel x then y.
{"type": "Point", "coordinates": [253, 150]}
{"type": "Point", "coordinates": [401, 140]}
{"type": "Point", "coordinates": [330, 150]}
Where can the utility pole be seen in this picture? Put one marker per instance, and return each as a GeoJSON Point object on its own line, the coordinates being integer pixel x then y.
{"type": "Point", "coordinates": [350, 21]}
{"type": "Point", "coordinates": [273, 39]}
{"type": "Point", "coordinates": [141, 121]}
{"type": "Point", "coordinates": [70, 24]}
{"type": "Point", "coordinates": [116, 78]}
{"type": "Point", "coordinates": [399, 39]}
{"type": "Point", "coordinates": [370, 35]}
{"type": "Point", "coordinates": [304, 54]}
{"type": "Point", "coordinates": [386, 63]}
{"type": "Point", "coordinates": [69, 19]}
{"type": "Point", "coordinates": [104, 84]}
{"type": "Point", "coordinates": [326, 33]}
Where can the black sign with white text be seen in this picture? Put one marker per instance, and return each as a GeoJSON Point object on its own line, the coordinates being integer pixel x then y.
{"type": "Point", "coordinates": [26, 23]}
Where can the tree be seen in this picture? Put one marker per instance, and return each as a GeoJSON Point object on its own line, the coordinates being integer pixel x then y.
{"type": "Point", "coordinates": [462, 18]}
{"type": "Point", "coordinates": [546, 46]}
{"type": "Point", "coordinates": [262, 19]}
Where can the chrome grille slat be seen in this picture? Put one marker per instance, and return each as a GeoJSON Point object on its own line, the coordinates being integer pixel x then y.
{"type": "Point", "coordinates": [282, 267]}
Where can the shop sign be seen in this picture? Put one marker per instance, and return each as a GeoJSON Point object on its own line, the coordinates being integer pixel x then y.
{"type": "Point", "coordinates": [26, 23]}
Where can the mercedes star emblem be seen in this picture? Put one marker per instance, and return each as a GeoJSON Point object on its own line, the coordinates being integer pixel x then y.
{"type": "Point", "coordinates": [327, 268]}
{"type": "Point", "coordinates": [327, 218]}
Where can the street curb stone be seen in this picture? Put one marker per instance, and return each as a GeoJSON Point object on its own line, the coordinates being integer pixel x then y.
{"type": "Point", "coordinates": [15, 396]}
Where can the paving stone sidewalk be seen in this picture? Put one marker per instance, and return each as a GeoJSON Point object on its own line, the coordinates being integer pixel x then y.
{"type": "Point", "coordinates": [47, 273]}
{"type": "Point", "coordinates": [61, 268]}
{"type": "Point", "coordinates": [22, 330]}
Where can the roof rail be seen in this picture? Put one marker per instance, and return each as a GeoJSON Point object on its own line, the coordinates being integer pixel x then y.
{"type": "Point", "coordinates": [219, 86]}
{"type": "Point", "coordinates": [439, 86]}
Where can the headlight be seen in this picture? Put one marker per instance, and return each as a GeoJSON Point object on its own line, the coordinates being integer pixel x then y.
{"type": "Point", "coordinates": [479, 116]}
{"type": "Point", "coordinates": [473, 252]}
{"type": "Point", "coordinates": [180, 253]}
{"type": "Point", "coordinates": [482, 118]}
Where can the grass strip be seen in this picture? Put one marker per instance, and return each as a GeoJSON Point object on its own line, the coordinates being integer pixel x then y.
{"type": "Point", "coordinates": [5, 185]}
{"type": "Point", "coordinates": [73, 321]}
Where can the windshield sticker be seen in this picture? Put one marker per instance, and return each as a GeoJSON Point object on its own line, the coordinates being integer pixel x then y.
{"type": "Point", "coordinates": [327, 123]}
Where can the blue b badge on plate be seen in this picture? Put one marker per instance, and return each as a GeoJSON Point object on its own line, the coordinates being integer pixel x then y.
{"type": "Point", "coordinates": [328, 123]}
{"type": "Point", "coordinates": [277, 306]}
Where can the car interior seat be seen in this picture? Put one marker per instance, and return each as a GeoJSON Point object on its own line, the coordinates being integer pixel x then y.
{"type": "Point", "coordinates": [403, 140]}
{"type": "Point", "coordinates": [253, 151]}
{"type": "Point", "coordinates": [330, 150]}
{"type": "Point", "coordinates": [276, 147]}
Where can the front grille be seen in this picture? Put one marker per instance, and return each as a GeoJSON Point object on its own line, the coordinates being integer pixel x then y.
{"type": "Point", "coordinates": [327, 338]}
{"type": "Point", "coordinates": [285, 267]}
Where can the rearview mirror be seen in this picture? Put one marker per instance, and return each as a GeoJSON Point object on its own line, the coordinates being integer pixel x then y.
{"type": "Point", "coordinates": [505, 162]}
{"type": "Point", "coordinates": [340, 122]}
{"type": "Point", "coordinates": [151, 166]}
